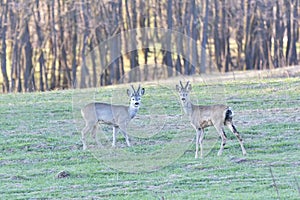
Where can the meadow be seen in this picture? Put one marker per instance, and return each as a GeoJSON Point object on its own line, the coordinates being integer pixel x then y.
{"type": "Point", "coordinates": [40, 137]}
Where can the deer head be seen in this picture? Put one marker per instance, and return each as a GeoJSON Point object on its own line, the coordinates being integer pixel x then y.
{"type": "Point", "coordinates": [135, 96]}
{"type": "Point", "coordinates": [184, 92]}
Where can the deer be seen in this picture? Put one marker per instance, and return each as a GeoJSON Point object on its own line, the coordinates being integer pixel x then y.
{"type": "Point", "coordinates": [202, 116]}
{"type": "Point", "coordinates": [117, 116]}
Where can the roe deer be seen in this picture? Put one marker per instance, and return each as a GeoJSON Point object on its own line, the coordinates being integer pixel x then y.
{"type": "Point", "coordinates": [118, 116]}
{"type": "Point", "coordinates": [205, 116]}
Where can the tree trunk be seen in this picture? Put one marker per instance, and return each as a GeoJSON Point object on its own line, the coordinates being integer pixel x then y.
{"type": "Point", "coordinates": [145, 22]}
{"type": "Point", "coordinates": [217, 41]}
{"type": "Point", "coordinates": [204, 39]}
{"type": "Point", "coordinates": [3, 27]}
{"type": "Point", "coordinates": [195, 36]}
{"type": "Point", "coordinates": [53, 46]}
{"type": "Point", "coordinates": [248, 43]}
{"type": "Point", "coordinates": [167, 59]}
{"type": "Point", "coordinates": [134, 63]}
{"type": "Point", "coordinates": [16, 83]}
{"type": "Point", "coordinates": [187, 19]}
{"type": "Point", "coordinates": [84, 69]}
{"type": "Point", "coordinates": [115, 46]}
{"type": "Point", "coordinates": [74, 46]}
{"type": "Point", "coordinates": [29, 84]}
{"type": "Point", "coordinates": [240, 35]}
{"type": "Point", "coordinates": [294, 58]}
{"type": "Point", "coordinates": [41, 59]}
{"type": "Point", "coordinates": [67, 82]}
{"type": "Point", "coordinates": [292, 28]}
{"type": "Point", "coordinates": [279, 33]}
{"type": "Point", "coordinates": [179, 41]}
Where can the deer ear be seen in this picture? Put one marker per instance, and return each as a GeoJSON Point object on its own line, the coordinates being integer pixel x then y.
{"type": "Point", "coordinates": [189, 87]}
{"type": "Point", "coordinates": [178, 88]}
{"type": "Point", "coordinates": [142, 92]}
{"type": "Point", "coordinates": [128, 92]}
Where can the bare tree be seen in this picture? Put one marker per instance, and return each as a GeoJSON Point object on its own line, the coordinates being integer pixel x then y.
{"type": "Point", "coordinates": [145, 22]}
{"type": "Point", "coordinates": [14, 24]}
{"type": "Point", "coordinates": [195, 35]}
{"type": "Point", "coordinates": [53, 44]}
{"type": "Point", "coordinates": [74, 39]}
{"type": "Point", "coordinates": [134, 57]}
{"type": "Point", "coordinates": [167, 56]}
{"type": "Point", "coordinates": [84, 69]}
{"type": "Point", "coordinates": [63, 58]}
{"type": "Point", "coordinates": [41, 58]}
{"type": "Point", "coordinates": [204, 38]}
{"type": "Point", "coordinates": [279, 34]}
{"type": "Point", "coordinates": [217, 40]}
{"type": "Point", "coordinates": [292, 23]}
{"type": "Point", "coordinates": [29, 83]}
{"type": "Point", "coordinates": [240, 34]}
{"type": "Point", "coordinates": [3, 27]}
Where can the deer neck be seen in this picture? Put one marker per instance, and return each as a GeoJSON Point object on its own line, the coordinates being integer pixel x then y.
{"type": "Point", "coordinates": [188, 107]}
{"type": "Point", "coordinates": [132, 111]}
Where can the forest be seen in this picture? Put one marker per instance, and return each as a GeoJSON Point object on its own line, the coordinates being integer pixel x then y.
{"type": "Point", "coordinates": [61, 44]}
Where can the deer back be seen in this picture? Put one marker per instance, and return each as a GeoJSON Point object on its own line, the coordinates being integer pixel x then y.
{"type": "Point", "coordinates": [204, 116]}
{"type": "Point", "coordinates": [106, 113]}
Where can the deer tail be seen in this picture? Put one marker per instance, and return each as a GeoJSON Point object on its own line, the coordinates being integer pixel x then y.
{"type": "Point", "coordinates": [229, 114]}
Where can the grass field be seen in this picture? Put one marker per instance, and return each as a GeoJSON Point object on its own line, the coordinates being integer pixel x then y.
{"type": "Point", "coordinates": [40, 137]}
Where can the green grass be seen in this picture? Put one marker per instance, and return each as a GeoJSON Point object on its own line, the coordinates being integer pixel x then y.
{"type": "Point", "coordinates": [40, 137]}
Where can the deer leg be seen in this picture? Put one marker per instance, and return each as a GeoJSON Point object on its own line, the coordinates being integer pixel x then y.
{"type": "Point", "coordinates": [223, 137]}
{"type": "Point", "coordinates": [84, 131]}
{"type": "Point", "coordinates": [123, 130]}
{"type": "Point", "coordinates": [115, 131]}
{"type": "Point", "coordinates": [94, 134]}
{"type": "Point", "coordinates": [236, 133]}
{"type": "Point", "coordinates": [199, 141]}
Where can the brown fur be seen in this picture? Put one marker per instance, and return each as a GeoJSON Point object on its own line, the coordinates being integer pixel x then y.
{"type": "Point", "coordinates": [205, 116]}
{"type": "Point", "coordinates": [118, 116]}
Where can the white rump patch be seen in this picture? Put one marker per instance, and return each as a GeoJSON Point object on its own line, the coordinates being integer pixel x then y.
{"type": "Point", "coordinates": [232, 113]}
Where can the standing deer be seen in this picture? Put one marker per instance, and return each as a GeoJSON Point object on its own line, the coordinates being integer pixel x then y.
{"type": "Point", "coordinates": [118, 116]}
{"type": "Point", "coordinates": [205, 116]}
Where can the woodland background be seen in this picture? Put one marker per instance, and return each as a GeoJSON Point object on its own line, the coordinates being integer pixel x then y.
{"type": "Point", "coordinates": [60, 44]}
